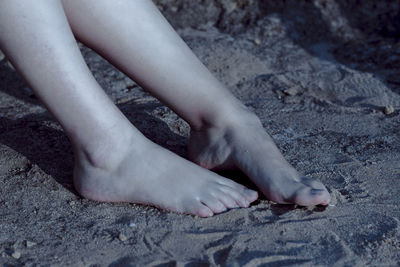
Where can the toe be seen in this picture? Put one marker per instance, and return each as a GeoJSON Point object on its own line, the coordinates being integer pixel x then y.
{"type": "Point", "coordinates": [214, 204]}
{"type": "Point", "coordinates": [308, 196]}
{"type": "Point", "coordinates": [228, 201]}
{"type": "Point", "coordinates": [312, 183]}
{"type": "Point", "coordinates": [250, 195]}
{"type": "Point", "coordinates": [201, 210]}
{"type": "Point", "coordinates": [304, 191]}
{"type": "Point", "coordinates": [231, 184]}
{"type": "Point", "coordinates": [239, 198]}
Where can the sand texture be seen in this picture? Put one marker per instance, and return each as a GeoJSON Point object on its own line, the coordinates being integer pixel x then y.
{"type": "Point", "coordinates": [323, 76]}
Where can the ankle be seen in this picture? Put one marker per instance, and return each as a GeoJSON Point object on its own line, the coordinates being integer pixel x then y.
{"type": "Point", "coordinates": [229, 118]}
{"type": "Point", "coordinates": [107, 151]}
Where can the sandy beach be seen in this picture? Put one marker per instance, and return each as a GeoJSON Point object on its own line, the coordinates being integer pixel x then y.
{"type": "Point", "coordinates": [324, 78]}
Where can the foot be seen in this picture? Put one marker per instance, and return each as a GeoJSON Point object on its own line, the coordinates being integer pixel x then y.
{"type": "Point", "coordinates": [245, 145]}
{"type": "Point", "coordinates": [139, 171]}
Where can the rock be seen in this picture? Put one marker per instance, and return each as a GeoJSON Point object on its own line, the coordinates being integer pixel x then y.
{"type": "Point", "coordinates": [131, 225]}
{"type": "Point", "coordinates": [172, 143]}
{"type": "Point", "coordinates": [292, 91]}
{"type": "Point", "coordinates": [29, 244]}
{"type": "Point", "coordinates": [257, 41]}
{"type": "Point", "coordinates": [16, 255]}
{"type": "Point", "coordinates": [279, 94]}
{"type": "Point", "coordinates": [337, 239]}
{"type": "Point", "coordinates": [10, 66]}
{"type": "Point", "coordinates": [310, 208]}
{"type": "Point", "coordinates": [124, 100]}
{"type": "Point", "coordinates": [388, 110]}
{"type": "Point", "coordinates": [2, 56]}
{"type": "Point", "coordinates": [229, 6]}
{"type": "Point", "coordinates": [29, 91]}
{"type": "Point", "coordinates": [129, 84]}
{"type": "Point", "coordinates": [122, 237]}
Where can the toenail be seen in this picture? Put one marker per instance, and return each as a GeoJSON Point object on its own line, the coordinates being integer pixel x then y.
{"type": "Point", "coordinates": [249, 191]}
{"type": "Point", "coordinates": [316, 192]}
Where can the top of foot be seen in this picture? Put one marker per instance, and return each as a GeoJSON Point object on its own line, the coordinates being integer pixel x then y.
{"type": "Point", "coordinates": [148, 174]}
{"type": "Point", "coordinates": [246, 146]}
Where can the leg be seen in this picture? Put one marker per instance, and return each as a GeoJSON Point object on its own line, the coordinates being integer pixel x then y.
{"type": "Point", "coordinates": [136, 38]}
{"type": "Point", "coordinates": [112, 157]}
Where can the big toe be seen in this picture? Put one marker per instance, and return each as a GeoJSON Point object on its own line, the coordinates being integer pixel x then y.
{"type": "Point", "coordinates": [312, 195]}
{"type": "Point", "coordinates": [250, 195]}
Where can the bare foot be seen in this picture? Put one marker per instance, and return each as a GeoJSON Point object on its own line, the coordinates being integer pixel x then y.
{"type": "Point", "coordinates": [139, 171]}
{"type": "Point", "coordinates": [245, 145]}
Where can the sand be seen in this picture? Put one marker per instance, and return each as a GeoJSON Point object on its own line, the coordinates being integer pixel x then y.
{"type": "Point", "coordinates": [321, 75]}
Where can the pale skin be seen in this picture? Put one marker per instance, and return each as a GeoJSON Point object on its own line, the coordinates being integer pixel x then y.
{"type": "Point", "coordinates": [114, 162]}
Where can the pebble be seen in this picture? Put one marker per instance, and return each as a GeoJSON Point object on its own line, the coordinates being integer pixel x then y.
{"type": "Point", "coordinates": [29, 244]}
{"type": "Point", "coordinates": [16, 255]}
{"type": "Point", "coordinates": [388, 110]}
{"type": "Point", "coordinates": [122, 237]}
{"type": "Point", "coordinates": [310, 208]}
{"type": "Point", "coordinates": [292, 91]}
{"type": "Point", "coordinates": [257, 41]}
{"type": "Point", "coordinates": [131, 225]}
{"type": "Point", "coordinates": [29, 91]}
{"type": "Point", "coordinates": [10, 66]}
{"type": "Point", "coordinates": [124, 100]}
{"type": "Point", "coordinates": [279, 94]}
{"type": "Point", "coordinates": [172, 143]}
{"type": "Point", "coordinates": [129, 84]}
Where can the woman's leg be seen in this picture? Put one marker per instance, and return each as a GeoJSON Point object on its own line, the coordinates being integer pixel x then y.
{"type": "Point", "coordinates": [114, 162]}
{"type": "Point", "coordinates": [135, 37]}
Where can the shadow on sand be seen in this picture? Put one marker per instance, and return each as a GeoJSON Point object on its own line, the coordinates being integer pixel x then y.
{"type": "Point", "coordinates": [38, 139]}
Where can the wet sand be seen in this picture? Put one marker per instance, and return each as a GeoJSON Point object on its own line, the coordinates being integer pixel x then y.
{"type": "Point", "coordinates": [325, 88]}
